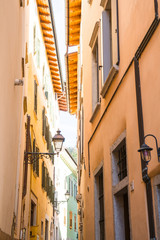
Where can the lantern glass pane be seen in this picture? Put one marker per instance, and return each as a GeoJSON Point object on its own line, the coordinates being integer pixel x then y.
{"type": "Point", "coordinates": [58, 146]}
{"type": "Point", "coordinates": [146, 155]}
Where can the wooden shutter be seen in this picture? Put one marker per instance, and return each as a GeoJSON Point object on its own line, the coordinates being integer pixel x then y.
{"type": "Point", "coordinates": [115, 32]}
{"type": "Point", "coordinates": [52, 157]}
{"type": "Point", "coordinates": [43, 122]}
{"type": "Point", "coordinates": [34, 150]}
{"type": "Point", "coordinates": [37, 162]}
{"type": "Point", "coordinates": [70, 220]}
{"type": "Point", "coordinates": [43, 175]}
{"type": "Point", "coordinates": [106, 43]}
{"type": "Point", "coordinates": [35, 96]}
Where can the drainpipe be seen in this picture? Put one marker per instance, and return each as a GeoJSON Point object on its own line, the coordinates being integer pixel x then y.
{"type": "Point", "coordinates": [145, 176]}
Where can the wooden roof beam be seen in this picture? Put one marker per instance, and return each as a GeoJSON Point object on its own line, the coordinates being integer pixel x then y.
{"type": "Point", "coordinates": [45, 21]}
{"type": "Point", "coordinates": [44, 13]}
{"type": "Point", "coordinates": [53, 64]}
{"type": "Point", "coordinates": [47, 35]}
{"type": "Point", "coordinates": [48, 41]}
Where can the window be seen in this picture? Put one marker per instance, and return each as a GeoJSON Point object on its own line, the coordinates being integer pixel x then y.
{"type": "Point", "coordinates": [33, 214]}
{"type": "Point", "coordinates": [120, 188]}
{"type": "Point", "coordinates": [35, 96]}
{"type": "Point", "coordinates": [46, 229]}
{"type": "Point", "coordinates": [122, 161]}
{"type": "Point", "coordinates": [119, 162]}
{"type": "Point", "coordinates": [94, 44]}
{"type": "Point", "coordinates": [70, 220]}
{"type": "Point", "coordinates": [110, 44]}
{"type": "Point", "coordinates": [99, 206]}
{"type": "Point", "coordinates": [75, 222]}
{"type": "Point", "coordinates": [43, 176]}
{"type": "Point", "coordinates": [106, 41]}
{"type": "Point", "coordinates": [36, 162]}
{"type": "Point", "coordinates": [41, 228]}
{"type": "Point", "coordinates": [43, 122]}
{"type": "Point", "coordinates": [75, 190]}
{"type": "Point", "coordinates": [95, 76]}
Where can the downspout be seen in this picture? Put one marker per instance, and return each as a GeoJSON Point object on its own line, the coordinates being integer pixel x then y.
{"type": "Point", "coordinates": [145, 176]}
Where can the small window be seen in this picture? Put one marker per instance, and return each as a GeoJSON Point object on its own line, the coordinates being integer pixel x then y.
{"type": "Point", "coordinates": [95, 75]}
{"type": "Point", "coordinates": [119, 159]}
{"type": "Point", "coordinates": [75, 222]}
{"type": "Point", "coordinates": [35, 96]}
{"type": "Point", "coordinates": [41, 228]}
{"type": "Point", "coordinates": [110, 44]}
{"type": "Point", "coordinates": [70, 220]}
{"type": "Point", "coordinates": [43, 176]}
{"type": "Point", "coordinates": [122, 161]}
{"type": "Point", "coordinates": [99, 206]}
{"type": "Point", "coordinates": [33, 214]}
{"type": "Point", "coordinates": [43, 122]}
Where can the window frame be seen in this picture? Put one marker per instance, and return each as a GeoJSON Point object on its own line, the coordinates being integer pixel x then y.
{"type": "Point", "coordinates": [113, 57]}
{"type": "Point", "coordinates": [95, 41]}
{"type": "Point", "coordinates": [70, 220]}
{"type": "Point", "coordinates": [35, 96]}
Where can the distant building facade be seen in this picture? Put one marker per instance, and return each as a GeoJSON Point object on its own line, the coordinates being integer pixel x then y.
{"type": "Point", "coordinates": [118, 96]}
{"type": "Point", "coordinates": [66, 221]}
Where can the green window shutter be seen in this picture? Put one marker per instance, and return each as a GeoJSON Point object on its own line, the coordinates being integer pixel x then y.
{"type": "Point", "coordinates": [50, 188]}
{"type": "Point", "coordinates": [47, 184]}
{"type": "Point", "coordinates": [52, 195]}
{"type": "Point", "coordinates": [52, 157]}
{"type": "Point", "coordinates": [43, 122]}
{"type": "Point", "coordinates": [34, 149]}
{"type": "Point", "coordinates": [37, 162]}
{"type": "Point", "coordinates": [43, 175]}
{"type": "Point", "coordinates": [35, 96]}
{"type": "Point", "coordinates": [48, 137]}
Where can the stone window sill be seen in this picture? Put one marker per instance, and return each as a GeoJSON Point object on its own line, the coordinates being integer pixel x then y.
{"type": "Point", "coordinates": [97, 107]}
{"type": "Point", "coordinates": [112, 73]}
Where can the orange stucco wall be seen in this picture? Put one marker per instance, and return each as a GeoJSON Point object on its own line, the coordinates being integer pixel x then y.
{"type": "Point", "coordinates": [135, 18]}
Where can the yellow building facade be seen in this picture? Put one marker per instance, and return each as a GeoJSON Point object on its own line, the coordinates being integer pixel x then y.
{"type": "Point", "coordinates": [45, 98]}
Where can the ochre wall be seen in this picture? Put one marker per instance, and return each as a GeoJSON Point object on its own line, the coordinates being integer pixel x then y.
{"type": "Point", "coordinates": [135, 18]}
